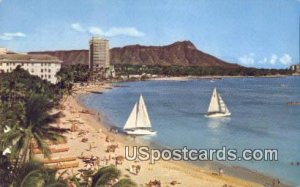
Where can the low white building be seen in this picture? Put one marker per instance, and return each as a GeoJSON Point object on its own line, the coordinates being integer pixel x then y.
{"type": "Point", "coordinates": [44, 66]}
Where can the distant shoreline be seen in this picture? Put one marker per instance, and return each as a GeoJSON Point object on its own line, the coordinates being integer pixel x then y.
{"type": "Point", "coordinates": [185, 78]}
{"type": "Point", "coordinates": [238, 172]}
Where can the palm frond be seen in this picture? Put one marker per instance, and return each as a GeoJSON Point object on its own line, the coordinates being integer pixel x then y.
{"type": "Point", "coordinates": [125, 183]}
{"type": "Point", "coordinates": [32, 179]}
{"type": "Point", "coordinates": [34, 174]}
{"type": "Point", "coordinates": [56, 184]}
{"type": "Point", "coordinates": [42, 145]}
{"type": "Point", "coordinates": [104, 175]}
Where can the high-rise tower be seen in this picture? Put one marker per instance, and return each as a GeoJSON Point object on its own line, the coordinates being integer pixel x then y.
{"type": "Point", "coordinates": [98, 53]}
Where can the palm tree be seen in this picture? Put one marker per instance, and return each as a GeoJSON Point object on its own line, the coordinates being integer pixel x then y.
{"type": "Point", "coordinates": [5, 170]}
{"type": "Point", "coordinates": [34, 125]}
{"type": "Point", "coordinates": [65, 80]}
{"type": "Point", "coordinates": [106, 174]}
{"type": "Point", "coordinates": [125, 183]}
{"type": "Point", "coordinates": [34, 174]}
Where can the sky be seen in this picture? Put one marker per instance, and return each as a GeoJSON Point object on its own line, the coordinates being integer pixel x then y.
{"type": "Point", "coordinates": [253, 33]}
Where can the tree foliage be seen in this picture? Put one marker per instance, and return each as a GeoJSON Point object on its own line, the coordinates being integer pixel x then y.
{"type": "Point", "coordinates": [105, 175]}
{"type": "Point", "coordinates": [26, 104]}
{"type": "Point", "coordinates": [128, 69]}
{"type": "Point", "coordinates": [34, 174]}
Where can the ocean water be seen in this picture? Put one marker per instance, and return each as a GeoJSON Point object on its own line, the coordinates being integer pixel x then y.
{"type": "Point", "coordinates": [261, 118]}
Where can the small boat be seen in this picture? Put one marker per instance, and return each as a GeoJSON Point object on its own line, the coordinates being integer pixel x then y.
{"type": "Point", "coordinates": [217, 107]}
{"type": "Point", "coordinates": [294, 103]}
{"type": "Point", "coordinates": [138, 122]}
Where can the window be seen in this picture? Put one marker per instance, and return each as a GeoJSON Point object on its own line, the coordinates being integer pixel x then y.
{"type": "Point", "coordinates": [32, 70]}
{"type": "Point", "coordinates": [49, 76]}
{"type": "Point", "coordinates": [49, 70]}
{"type": "Point", "coordinates": [42, 76]}
{"type": "Point", "coordinates": [42, 70]}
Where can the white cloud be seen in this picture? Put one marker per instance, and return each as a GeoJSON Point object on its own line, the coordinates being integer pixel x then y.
{"type": "Point", "coordinates": [10, 36]}
{"type": "Point", "coordinates": [116, 31]}
{"type": "Point", "coordinates": [286, 59]}
{"type": "Point", "coordinates": [96, 31]}
{"type": "Point", "coordinates": [110, 32]}
{"type": "Point", "coordinates": [273, 59]}
{"type": "Point", "coordinates": [124, 31]}
{"type": "Point", "coordinates": [77, 27]}
{"type": "Point", "coordinates": [247, 59]}
{"type": "Point", "coordinates": [263, 61]}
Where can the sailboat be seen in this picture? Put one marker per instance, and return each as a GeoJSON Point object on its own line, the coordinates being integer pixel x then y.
{"type": "Point", "coordinates": [138, 122]}
{"type": "Point", "coordinates": [217, 107]}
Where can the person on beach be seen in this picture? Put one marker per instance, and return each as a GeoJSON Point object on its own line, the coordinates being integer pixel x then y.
{"type": "Point", "coordinates": [138, 168]}
{"type": "Point", "coordinates": [99, 117]}
{"type": "Point", "coordinates": [132, 169]}
{"type": "Point", "coordinates": [221, 171]}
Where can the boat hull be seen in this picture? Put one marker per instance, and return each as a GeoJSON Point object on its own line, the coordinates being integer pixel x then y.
{"type": "Point", "coordinates": [217, 115]}
{"type": "Point", "coordinates": [140, 132]}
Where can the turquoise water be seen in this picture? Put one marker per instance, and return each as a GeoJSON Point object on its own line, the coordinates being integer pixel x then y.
{"type": "Point", "coordinates": [261, 118]}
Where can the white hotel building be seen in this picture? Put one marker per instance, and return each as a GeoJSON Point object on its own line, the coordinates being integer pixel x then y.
{"type": "Point", "coordinates": [44, 66]}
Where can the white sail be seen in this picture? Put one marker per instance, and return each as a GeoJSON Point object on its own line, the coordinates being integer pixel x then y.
{"type": "Point", "coordinates": [214, 104]}
{"type": "Point", "coordinates": [131, 121]}
{"type": "Point", "coordinates": [217, 107]}
{"type": "Point", "coordinates": [138, 117]}
{"type": "Point", "coordinates": [143, 120]}
{"type": "Point", "coordinates": [223, 107]}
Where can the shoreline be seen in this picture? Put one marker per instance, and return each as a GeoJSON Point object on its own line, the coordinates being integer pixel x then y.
{"type": "Point", "coordinates": [244, 176]}
{"type": "Point", "coordinates": [212, 77]}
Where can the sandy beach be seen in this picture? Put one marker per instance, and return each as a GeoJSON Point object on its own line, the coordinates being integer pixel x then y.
{"type": "Point", "coordinates": [90, 138]}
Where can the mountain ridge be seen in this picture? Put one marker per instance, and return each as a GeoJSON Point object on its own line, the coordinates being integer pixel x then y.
{"type": "Point", "coordinates": [180, 53]}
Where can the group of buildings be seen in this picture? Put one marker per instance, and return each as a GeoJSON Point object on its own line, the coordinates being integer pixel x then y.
{"type": "Point", "coordinates": [295, 68]}
{"type": "Point", "coordinates": [46, 66]}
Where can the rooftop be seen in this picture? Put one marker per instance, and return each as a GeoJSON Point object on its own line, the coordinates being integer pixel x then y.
{"type": "Point", "coordinates": [28, 57]}
{"type": "Point", "coordinates": [97, 38]}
